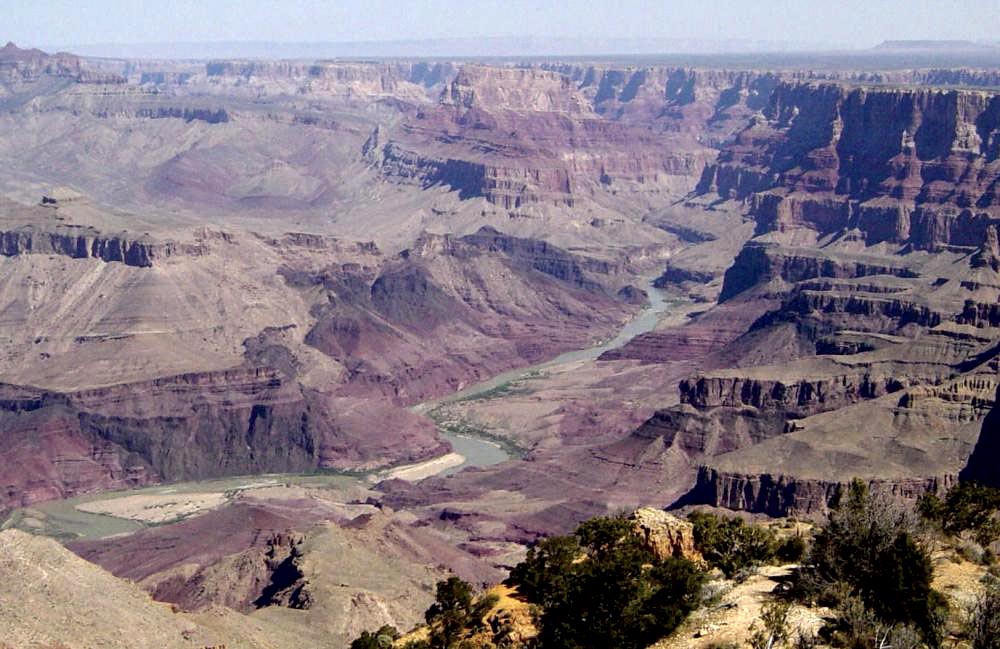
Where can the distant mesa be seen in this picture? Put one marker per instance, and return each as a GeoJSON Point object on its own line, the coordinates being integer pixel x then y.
{"type": "Point", "coordinates": [935, 46]}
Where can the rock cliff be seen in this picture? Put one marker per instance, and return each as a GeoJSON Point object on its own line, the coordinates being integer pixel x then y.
{"type": "Point", "coordinates": [906, 165]}
{"type": "Point", "coordinates": [779, 495]}
{"type": "Point", "coordinates": [84, 243]}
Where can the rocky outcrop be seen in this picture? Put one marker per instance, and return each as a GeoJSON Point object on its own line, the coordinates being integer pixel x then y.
{"type": "Point", "coordinates": [28, 66]}
{"type": "Point", "coordinates": [665, 535]}
{"type": "Point", "coordinates": [929, 227]}
{"type": "Point", "coordinates": [462, 176]}
{"type": "Point", "coordinates": [988, 255]}
{"type": "Point", "coordinates": [676, 275]}
{"type": "Point", "coordinates": [514, 183]}
{"type": "Point", "coordinates": [266, 574]}
{"type": "Point", "coordinates": [207, 115]}
{"type": "Point", "coordinates": [793, 397]}
{"type": "Point", "coordinates": [87, 243]}
{"type": "Point", "coordinates": [287, 584]}
{"type": "Point", "coordinates": [247, 555]}
{"type": "Point", "coordinates": [514, 89]}
{"type": "Point", "coordinates": [25, 65]}
{"type": "Point", "coordinates": [876, 313]}
{"type": "Point", "coordinates": [187, 427]}
{"type": "Point", "coordinates": [524, 136]}
{"type": "Point", "coordinates": [241, 421]}
{"type": "Point", "coordinates": [416, 82]}
{"type": "Point", "coordinates": [779, 495]}
{"type": "Point", "coordinates": [432, 318]}
{"type": "Point", "coordinates": [758, 263]}
{"type": "Point", "coordinates": [980, 314]}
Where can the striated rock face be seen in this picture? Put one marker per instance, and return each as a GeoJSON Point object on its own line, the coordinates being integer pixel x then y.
{"type": "Point", "coordinates": [904, 165]}
{"type": "Point", "coordinates": [414, 81]}
{"type": "Point", "coordinates": [758, 263]}
{"type": "Point", "coordinates": [874, 313]}
{"type": "Point", "coordinates": [982, 464]}
{"type": "Point", "coordinates": [988, 256]}
{"type": "Point", "coordinates": [780, 495]}
{"type": "Point", "coordinates": [28, 66]}
{"type": "Point", "coordinates": [83, 243]}
{"type": "Point", "coordinates": [207, 115]}
{"type": "Point", "coordinates": [905, 445]}
{"type": "Point", "coordinates": [794, 398]}
{"type": "Point", "coordinates": [525, 136]}
{"type": "Point", "coordinates": [515, 89]}
{"type": "Point", "coordinates": [665, 534]}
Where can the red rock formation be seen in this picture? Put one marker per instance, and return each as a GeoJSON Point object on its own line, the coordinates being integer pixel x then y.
{"type": "Point", "coordinates": [193, 426]}
{"type": "Point", "coordinates": [906, 165]}
{"type": "Point", "coordinates": [428, 322]}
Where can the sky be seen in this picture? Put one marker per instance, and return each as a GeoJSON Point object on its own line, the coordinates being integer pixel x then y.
{"type": "Point", "coordinates": [853, 23]}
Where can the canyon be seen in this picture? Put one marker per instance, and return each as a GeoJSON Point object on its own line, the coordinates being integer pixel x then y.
{"type": "Point", "coordinates": [298, 275]}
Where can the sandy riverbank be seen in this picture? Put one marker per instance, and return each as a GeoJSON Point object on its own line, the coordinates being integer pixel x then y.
{"type": "Point", "coordinates": [421, 470]}
{"type": "Point", "coordinates": [155, 508]}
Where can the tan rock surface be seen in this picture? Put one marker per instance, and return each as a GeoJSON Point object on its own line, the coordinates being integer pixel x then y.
{"type": "Point", "coordinates": [665, 534]}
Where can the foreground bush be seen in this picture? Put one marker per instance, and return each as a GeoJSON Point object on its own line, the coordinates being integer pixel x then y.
{"type": "Point", "coordinates": [868, 552]}
{"type": "Point", "coordinates": [601, 588]}
{"type": "Point", "coordinates": [729, 544]}
{"type": "Point", "coordinates": [967, 507]}
{"type": "Point", "coordinates": [381, 639]}
{"type": "Point", "coordinates": [453, 618]}
{"type": "Point", "coordinates": [984, 619]}
{"type": "Point", "coordinates": [455, 614]}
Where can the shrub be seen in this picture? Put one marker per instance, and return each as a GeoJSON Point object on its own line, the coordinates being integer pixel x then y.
{"type": "Point", "coordinates": [868, 545]}
{"type": "Point", "coordinates": [970, 551]}
{"type": "Point", "coordinates": [931, 508]}
{"type": "Point", "coordinates": [417, 644]}
{"type": "Point", "coordinates": [855, 626]}
{"type": "Point", "coordinates": [454, 613]}
{"type": "Point", "coordinates": [543, 576]}
{"type": "Point", "coordinates": [972, 507]}
{"type": "Point", "coordinates": [731, 545]}
{"type": "Point", "coordinates": [772, 629]}
{"type": "Point", "coordinates": [806, 640]}
{"type": "Point", "coordinates": [792, 550]}
{"type": "Point", "coordinates": [604, 576]}
{"type": "Point", "coordinates": [381, 639]}
{"type": "Point", "coordinates": [983, 623]}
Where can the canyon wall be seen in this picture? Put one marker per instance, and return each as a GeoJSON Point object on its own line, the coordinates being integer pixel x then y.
{"type": "Point", "coordinates": [909, 165]}
{"type": "Point", "coordinates": [84, 243]}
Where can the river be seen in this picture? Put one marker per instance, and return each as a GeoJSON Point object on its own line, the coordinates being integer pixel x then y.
{"type": "Point", "coordinates": [482, 451]}
{"type": "Point", "coordinates": [61, 518]}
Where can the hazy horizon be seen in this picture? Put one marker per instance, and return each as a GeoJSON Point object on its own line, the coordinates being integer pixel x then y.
{"type": "Point", "coordinates": [100, 27]}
